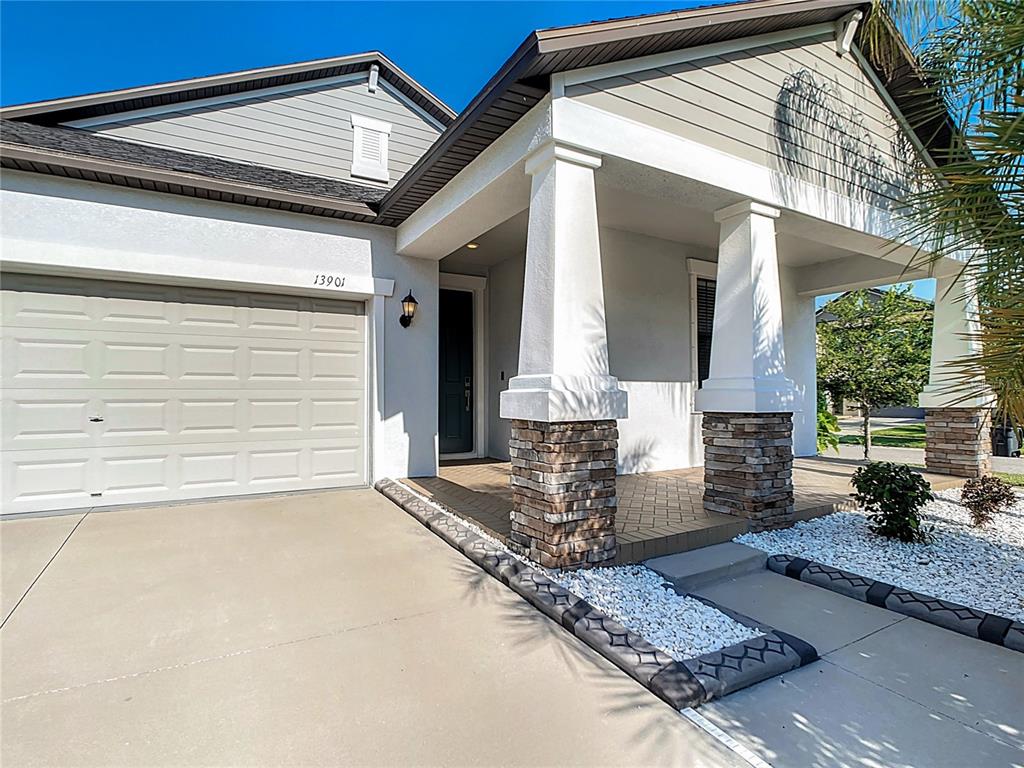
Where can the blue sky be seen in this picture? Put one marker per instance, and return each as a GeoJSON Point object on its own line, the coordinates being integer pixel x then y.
{"type": "Point", "coordinates": [451, 48]}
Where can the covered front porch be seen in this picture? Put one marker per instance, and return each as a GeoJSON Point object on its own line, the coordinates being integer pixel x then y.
{"type": "Point", "coordinates": [659, 513]}
{"type": "Point", "coordinates": [641, 343]}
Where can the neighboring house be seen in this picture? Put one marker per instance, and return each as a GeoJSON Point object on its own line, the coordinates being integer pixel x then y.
{"type": "Point", "coordinates": [851, 407]}
{"type": "Point", "coordinates": [203, 279]}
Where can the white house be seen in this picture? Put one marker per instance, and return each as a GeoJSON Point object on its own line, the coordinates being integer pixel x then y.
{"type": "Point", "coordinates": [203, 280]}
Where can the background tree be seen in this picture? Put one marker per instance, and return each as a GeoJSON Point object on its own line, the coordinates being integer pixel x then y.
{"type": "Point", "coordinates": [971, 62]}
{"type": "Point", "coordinates": [876, 351]}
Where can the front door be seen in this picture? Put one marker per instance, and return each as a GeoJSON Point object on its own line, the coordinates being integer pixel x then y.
{"type": "Point", "coordinates": [455, 395]}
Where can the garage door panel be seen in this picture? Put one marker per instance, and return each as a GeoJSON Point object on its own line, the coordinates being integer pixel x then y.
{"type": "Point", "coordinates": [35, 420]}
{"type": "Point", "coordinates": [39, 481]}
{"type": "Point", "coordinates": [131, 394]}
{"type": "Point", "coordinates": [39, 302]}
{"type": "Point", "coordinates": [68, 479]}
{"type": "Point", "coordinates": [53, 357]}
{"type": "Point", "coordinates": [40, 360]}
{"type": "Point", "coordinates": [31, 421]}
{"type": "Point", "coordinates": [220, 363]}
{"type": "Point", "coordinates": [127, 419]}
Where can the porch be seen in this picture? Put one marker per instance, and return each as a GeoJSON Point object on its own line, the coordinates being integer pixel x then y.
{"type": "Point", "coordinates": [626, 314]}
{"type": "Point", "coordinates": [659, 513]}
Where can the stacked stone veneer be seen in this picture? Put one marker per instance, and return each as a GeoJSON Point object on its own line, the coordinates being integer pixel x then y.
{"type": "Point", "coordinates": [958, 441]}
{"type": "Point", "coordinates": [563, 492]}
{"type": "Point", "coordinates": [748, 467]}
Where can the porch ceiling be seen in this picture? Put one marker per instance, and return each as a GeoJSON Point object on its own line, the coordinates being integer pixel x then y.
{"type": "Point", "coordinates": [649, 202]}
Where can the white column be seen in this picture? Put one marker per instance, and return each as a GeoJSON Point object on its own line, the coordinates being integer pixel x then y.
{"type": "Point", "coordinates": [799, 332]}
{"type": "Point", "coordinates": [952, 339]}
{"type": "Point", "coordinates": [748, 360]}
{"type": "Point", "coordinates": [563, 349]}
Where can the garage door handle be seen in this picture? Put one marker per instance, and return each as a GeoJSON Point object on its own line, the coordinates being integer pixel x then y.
{"type": "Point", "coordinates": [95, 419]}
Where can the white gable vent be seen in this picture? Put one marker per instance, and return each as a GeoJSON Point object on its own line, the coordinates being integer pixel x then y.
{"type": "Point", "coordinates": [370, 148]}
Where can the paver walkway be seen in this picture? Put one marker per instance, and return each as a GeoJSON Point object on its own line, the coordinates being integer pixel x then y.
{"type": "Point", "coordinates": [315, 629]}
{"type": "Point", "coordinates": [659, 513]}
{"type": "Point", "coordinates": [888, 690]}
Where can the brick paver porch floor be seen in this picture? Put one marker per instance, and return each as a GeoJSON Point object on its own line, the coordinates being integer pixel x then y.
{"type": "Point", "coordinates": [659, 513]}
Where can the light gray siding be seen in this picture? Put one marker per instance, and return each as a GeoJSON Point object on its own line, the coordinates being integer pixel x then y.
{"type": "Point", "coordinates": [307, 130]}
{"type": "Point", "coordinates": [794, 107]}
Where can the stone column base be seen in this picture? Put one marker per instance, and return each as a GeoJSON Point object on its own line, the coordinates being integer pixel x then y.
{"type": "Point", "coordinates": [748, 467]}
{"type": "Point", "coordinates": [563, 492]}
{"type": "Point", "coordinates": [958, 441]}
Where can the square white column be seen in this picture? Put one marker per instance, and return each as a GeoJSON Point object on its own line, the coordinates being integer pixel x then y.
{"type": "Point", "coordinates": [748, 360]}
{"type": "Point", "coordinates": [954, 337]}
{"type": "Point", "coordinates": [563, 349]}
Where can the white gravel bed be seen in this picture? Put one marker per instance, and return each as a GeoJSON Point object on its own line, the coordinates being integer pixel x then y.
{"type": "Point", "coordinates": [981, 568]}
{"type": "Point", "coordinates": [638, 598]}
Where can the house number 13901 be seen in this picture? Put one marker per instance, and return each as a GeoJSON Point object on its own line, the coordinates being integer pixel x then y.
{"type": "Point", "coordinates": [329, 280]}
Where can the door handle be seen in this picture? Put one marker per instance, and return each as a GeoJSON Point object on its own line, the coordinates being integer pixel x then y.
{"type": "Point", "coordinates": [95, 419]}
{"type": "Point", "coordinates": [469, 395]}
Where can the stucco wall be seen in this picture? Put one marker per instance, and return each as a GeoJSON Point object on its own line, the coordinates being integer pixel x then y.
{"type": "Point", "coordinates": [647, 303]}
{"type": "Point", "coordinates": [505, 305]}
{"type": "Point", "coordinates": [62, 226]}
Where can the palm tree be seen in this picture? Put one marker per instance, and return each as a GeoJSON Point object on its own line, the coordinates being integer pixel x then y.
{"type": "Point", "coordinates": [970, 70]}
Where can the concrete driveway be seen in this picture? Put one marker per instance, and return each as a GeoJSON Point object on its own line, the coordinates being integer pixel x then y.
{"type": "Point", "coordinates": [297, 630]}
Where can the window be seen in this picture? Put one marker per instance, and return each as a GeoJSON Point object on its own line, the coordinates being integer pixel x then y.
{"type": "Point", "coordinates": [705, 323]}
{"type": "Point", "coordinates": [370, 148]}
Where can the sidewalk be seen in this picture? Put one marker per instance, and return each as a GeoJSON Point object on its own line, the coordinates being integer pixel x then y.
{"type": "Point", "coordinates": [916, 456]}
{"type": "Point", "coordinates": [888, 690]}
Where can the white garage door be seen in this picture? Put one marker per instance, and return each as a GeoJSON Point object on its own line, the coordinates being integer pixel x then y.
{"type": "Point", "coordinates": [118, 393]}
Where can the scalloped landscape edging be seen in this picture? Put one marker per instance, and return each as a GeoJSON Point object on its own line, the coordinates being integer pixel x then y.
{"type": "Point", "coordinates": [681, 684]}
{"type": "Point", "coordinates": [943, 613]}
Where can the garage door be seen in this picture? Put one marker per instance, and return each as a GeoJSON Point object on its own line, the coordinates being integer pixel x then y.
{"type": "Point", "coordinates": [118, 393]}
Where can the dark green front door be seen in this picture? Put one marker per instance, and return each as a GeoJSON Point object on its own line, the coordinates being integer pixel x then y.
{"type": "Point", "coordinates": [455, 396]}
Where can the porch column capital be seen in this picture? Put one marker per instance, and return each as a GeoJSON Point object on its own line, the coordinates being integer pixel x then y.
{"type": "Point", "coordinates": [563, 350]}
{"type": "Point", "coordinates": [748, 360]}
{"type": "Point", "coordinates": [545, 155]}
{"type": "Point", "coordinates": [746, 208]}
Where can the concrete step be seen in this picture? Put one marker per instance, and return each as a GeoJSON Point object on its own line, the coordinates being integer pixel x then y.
{"type": "Point", "coordinates": [688, 571]}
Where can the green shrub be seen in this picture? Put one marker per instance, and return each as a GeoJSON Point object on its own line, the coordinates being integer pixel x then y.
{"type": "Point", "coordinates": [985, 496]}
{"type": "Point", "coordinates": [893, 495]}
{"type": "Point", "coordinates": [828, 432]}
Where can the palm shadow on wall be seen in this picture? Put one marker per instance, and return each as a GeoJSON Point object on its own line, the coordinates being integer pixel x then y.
{"type": "Point", "coordinates": [822, 139]}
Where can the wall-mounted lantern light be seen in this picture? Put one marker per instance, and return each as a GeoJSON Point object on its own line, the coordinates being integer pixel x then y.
{"type": "Point", "coordinates": [408, 310]}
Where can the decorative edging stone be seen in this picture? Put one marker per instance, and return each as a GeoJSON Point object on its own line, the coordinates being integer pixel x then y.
{"type": "Point", "coordinates": [681, 684]}
{"type": "Point", "coordinates": [942, 613]}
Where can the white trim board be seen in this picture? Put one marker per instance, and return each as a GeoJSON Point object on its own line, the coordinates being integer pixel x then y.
{"type": "Point", "coordinates": [181, 106]}
{"type": "Point", "coordinates": [83, 261]}
{"type": "Point", "coordinates": [476, 285]}
{"type": "Point", "coordinates": [669, 58]}
{"type": "Point", "coordinates": [602, 132]}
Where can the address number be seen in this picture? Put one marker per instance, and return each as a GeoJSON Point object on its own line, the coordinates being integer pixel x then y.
{"type": "Point", "coordinates": [331, 281]}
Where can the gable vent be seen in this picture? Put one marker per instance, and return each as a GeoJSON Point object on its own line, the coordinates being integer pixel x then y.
{"type": "Point", "coordinates": [370, 148]}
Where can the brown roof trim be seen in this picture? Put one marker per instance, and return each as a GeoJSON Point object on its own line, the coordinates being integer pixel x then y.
{"type": "Point", "coordinates": [62, 110]}
{"type": "Point", "coordinates": [617, 30]}
{"type": "Point", "coordinates": [524, 79]}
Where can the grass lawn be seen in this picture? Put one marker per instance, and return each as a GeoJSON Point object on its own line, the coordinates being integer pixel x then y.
{"type": "Point", "coordinates": [1012, 479]}
{"type": "Point", "coordinates": [903, 436]}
